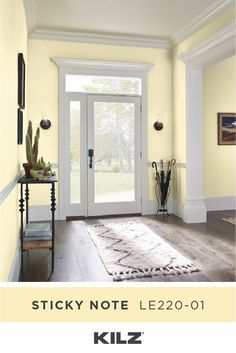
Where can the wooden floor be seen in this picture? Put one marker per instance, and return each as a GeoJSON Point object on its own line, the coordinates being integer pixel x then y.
{"type": "Point", "coordinates": [211, 246]}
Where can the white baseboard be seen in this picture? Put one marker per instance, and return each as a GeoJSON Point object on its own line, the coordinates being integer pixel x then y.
{"type": "Point", "coordinates": [177, 208]}
{"type": "Point", "coordinates": [41, 213]}
{"type": "Point", "coordinates": [174, 207]}
{"type": "Point", "coordinates": [194, 211]}
{"type": "Point", "coordinates": [220, 203]}
{"type": "Point", "coordinates": [15, 268]}
{"type": "Point", "coordinates": [151, 208]}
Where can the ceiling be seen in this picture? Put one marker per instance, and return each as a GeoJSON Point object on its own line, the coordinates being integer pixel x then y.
{"type": "Point", "coordinates": [146, 19]}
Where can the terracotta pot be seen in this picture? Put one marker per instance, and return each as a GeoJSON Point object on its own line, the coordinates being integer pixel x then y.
{"type": "Point", "coordinates": [27, 168]}
{"type": "Point", "coordinates": [37, 174]}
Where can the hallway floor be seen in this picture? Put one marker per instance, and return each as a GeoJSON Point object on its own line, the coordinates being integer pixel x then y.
{"type": "Point", "coordinates": [211, 246]}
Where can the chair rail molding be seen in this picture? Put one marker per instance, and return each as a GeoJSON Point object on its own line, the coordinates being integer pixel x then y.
{"type": "Point", "coordinates": [216, 48]}
{"type": "Point", "coordinates": [9, 187]}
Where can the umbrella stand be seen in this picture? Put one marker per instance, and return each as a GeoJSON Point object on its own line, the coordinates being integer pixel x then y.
{"type": "Point", "coordinates": [162, 185]}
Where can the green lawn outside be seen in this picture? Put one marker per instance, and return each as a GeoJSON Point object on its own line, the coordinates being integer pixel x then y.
{"type": "Point", "coordinates": [105, 182]}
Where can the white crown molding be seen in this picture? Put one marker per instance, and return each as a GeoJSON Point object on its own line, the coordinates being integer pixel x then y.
{"type": "Point", "coordinates": [146, 42]}
{"type": "Point", "coordinates": [29, 15]}
{"type": "Point", "coordinates": [202, 19]}
{"type": "Point", "coordinates": [212, 50]}
{"type": "Point", "coordinates": [103, 65]}
{"type": "Point", "coordinates": [95, 38]}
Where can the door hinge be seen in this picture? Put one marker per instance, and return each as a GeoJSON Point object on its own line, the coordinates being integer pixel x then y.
{"type": "Point", "coordinates": [140, 154]}
{"type": "Point", "coordinates": [141, 108]}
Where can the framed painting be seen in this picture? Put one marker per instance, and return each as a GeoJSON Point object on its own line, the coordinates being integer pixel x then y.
{"type": "Point", "coordinates": [21, 81]}
{"type": "Point", "coordinates": [226, 128]}
{"type": "Point", "coordinates": [19, 127]}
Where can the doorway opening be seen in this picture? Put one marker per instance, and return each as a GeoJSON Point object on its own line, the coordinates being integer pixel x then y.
{"type": "Point", "coordinates": [102, 145]}
{"type": "Point", "coordinates": [118, 90]}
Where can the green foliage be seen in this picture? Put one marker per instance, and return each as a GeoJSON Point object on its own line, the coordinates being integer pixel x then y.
{"type": "Point", "coordinates": [38, 132]}
{"type": "Point", "coordinates": [40, 165]}
{"type": "Point", "coordinates": [35, 149]}
{"type": "Point", "coordinates": [48, 167]}
{"type": "Point", "coordinates": [32, 149]}
{"type": "Point", "coordinates": [28, 149]}
{"type": "Point", "coordinates": [116, 169]}
{"type": "Point", "coordinates": [30, 132]}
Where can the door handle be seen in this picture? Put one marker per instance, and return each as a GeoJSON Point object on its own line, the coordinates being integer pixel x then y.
{"type": "Point", "coordinates": [90, 154]}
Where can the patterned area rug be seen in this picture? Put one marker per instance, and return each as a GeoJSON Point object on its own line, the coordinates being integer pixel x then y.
{"type": "Point", "coordinates": [131, 250]}
{"type": "Point", "coordinates": [230, 220]}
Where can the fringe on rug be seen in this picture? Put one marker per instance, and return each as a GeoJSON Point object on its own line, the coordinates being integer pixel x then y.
{"type": "Point", "coordinates": [151, 272]}
{"type": "Point", "coordinates": [231, 220]}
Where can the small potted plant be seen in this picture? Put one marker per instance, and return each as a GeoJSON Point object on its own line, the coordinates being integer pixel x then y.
{"type": "Point", "coordinates": [31, 149]}
{"type": "Point", "coordinates": [48, 169]}
{"type": "Point", "coordinates": [38, 169]}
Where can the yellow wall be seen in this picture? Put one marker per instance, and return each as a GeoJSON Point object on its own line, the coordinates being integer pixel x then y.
{"type": "Point", "coordinates": [166, 94]}
{"type": "Point", "coordinates": [43, 92]}
{"type": "Point", "coordinates": [13, 39]}
{"type": "Point", "coordinates": [179, 96]}
{"type": "Point", "coordinates": [165, 81]}
{"type": "Point", "coordinates": [219, 96]}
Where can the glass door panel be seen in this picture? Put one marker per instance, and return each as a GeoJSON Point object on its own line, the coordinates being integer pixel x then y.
{"type": "Point", "coordinates": [114, 162]}
{"type": "Point", "coordinates": [114, 139]}
{"type": "Point", "coordinates": [74, 152]}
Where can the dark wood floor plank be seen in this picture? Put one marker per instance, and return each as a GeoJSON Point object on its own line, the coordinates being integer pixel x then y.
{"type": "Point", "coordinates": [211, 246]}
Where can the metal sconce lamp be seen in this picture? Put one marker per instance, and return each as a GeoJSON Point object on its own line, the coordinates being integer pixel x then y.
{"type": "Point", "coordinates": [45, 124]}
{"type": "Point", "coordinates": [158, 125]}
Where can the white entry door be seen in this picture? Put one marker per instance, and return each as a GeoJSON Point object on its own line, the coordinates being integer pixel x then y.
{"type": "Point", "coordinates": [113, 155]}
{"type": "Point", "coordinates": [101, 173]}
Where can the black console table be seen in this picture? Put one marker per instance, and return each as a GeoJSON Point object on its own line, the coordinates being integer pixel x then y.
{"type": "Point", "coordinates": [24, 206]}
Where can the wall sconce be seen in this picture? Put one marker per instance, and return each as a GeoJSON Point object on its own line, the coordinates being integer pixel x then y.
{"type": "Point", "coordinates": [158, 125]}
{"type": "Point", "coordinates": [45, 124]}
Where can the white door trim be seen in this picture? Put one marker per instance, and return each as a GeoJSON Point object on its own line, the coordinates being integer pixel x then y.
{"type": "Point", "coordinates": [113, 66]}
{"type": "Point", "coordinates": [216, 48]}
{"type": "Point", "coordinates": [109, 68]}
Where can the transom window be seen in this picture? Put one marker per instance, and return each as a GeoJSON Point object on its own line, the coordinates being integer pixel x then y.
{"type": "Point", "coordinates": [104, 84]}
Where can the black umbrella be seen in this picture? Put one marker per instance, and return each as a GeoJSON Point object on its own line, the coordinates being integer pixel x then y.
{"type": "Point", "coordinates": [162, 182]}
{"type": "Point", "coordinates": [157, 186]}
{"type": "Point", "coordinates": [167, 182]}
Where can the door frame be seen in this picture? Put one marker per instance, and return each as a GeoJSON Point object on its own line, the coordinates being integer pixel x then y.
{"type": "Point", "coordinates": [101, 68]}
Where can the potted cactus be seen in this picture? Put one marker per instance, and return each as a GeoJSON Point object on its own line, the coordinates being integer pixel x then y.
{"type": "Point", "coordinates": [38, 169]}
{"type": "Point", "coordinates": [31, 149]}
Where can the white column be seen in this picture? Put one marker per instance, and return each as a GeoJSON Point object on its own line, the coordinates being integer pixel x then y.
{"type": "Point", "coordinates": [194, 208]}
